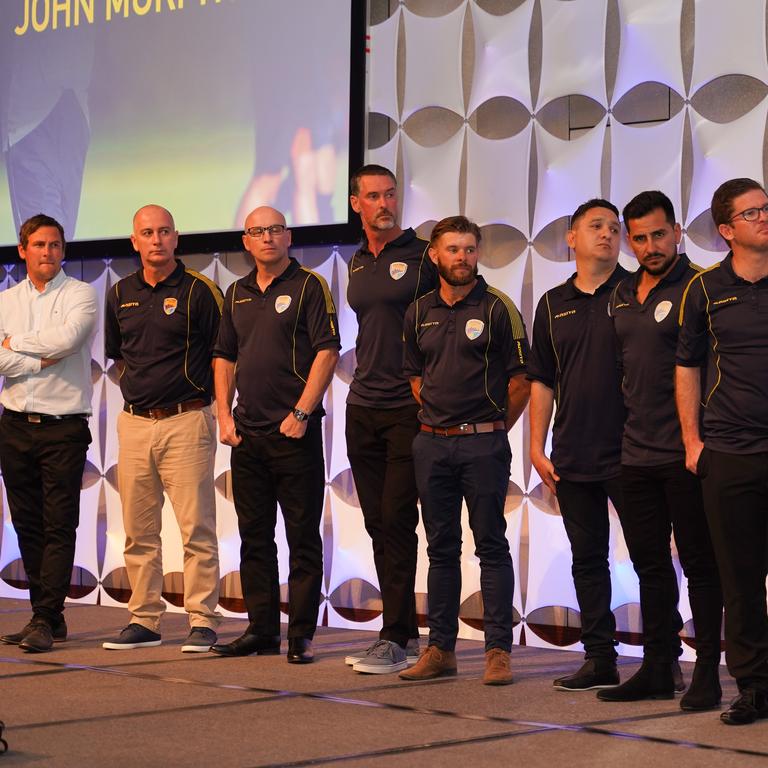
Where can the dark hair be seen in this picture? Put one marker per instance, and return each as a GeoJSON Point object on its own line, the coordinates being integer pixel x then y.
{"type": "Point", "coordinates": [722, 201]}
{"type": "Point", "coordinates": [31, 225]}
{"type": "Point", "coordinates": [460, 224]}
{"type": "Point", "coordinates": [595, 202]}
{"type": "Point", "coordinates": [368, 170]}
{"type": "Point", "coordinates": [647, 202]}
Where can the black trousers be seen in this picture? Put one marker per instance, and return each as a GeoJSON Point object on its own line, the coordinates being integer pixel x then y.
{"type": "Point", "coordinates": [584, 509]}
{"type": "Point", "coordinates": [476, 468]}
{"type": "Point", "coordinates": [656, 501]}
{"type": "Point", "coordinates": [379, 449]}
{"type": "Point", "coordinates": [266, 471]}
{"type": "Point", "coordinates": [736, 503]}
{"type": "Point", "coordinates": [42, 467]}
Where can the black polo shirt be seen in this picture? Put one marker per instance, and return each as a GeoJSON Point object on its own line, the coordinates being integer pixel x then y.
{"type": "Point", "coordinates": [379, 291]}
{"type": "Point", "coordinates": [647, 335]}
{"type": "Point", "coordinates": [274, 337]}
{"type": "Point", "coordinates": [465, 354]}
{"type": "Point", "coordinates": [574, 354]}
{"type": "Point", "coordinates": [724, 327]}
{"type": "Point", "coordinates": [165, 335]}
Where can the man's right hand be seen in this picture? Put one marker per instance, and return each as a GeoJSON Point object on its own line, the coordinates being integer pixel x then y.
{"type": "Point", "coordinates": [692, 453]}
{"type": "Point", "coordinates": [546, 470]}
{"type": "Point", "coordinates": [227, 431]}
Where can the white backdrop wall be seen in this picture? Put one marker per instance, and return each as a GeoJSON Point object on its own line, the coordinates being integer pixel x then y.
{"type": "Point", "coordinates": [512, 112]}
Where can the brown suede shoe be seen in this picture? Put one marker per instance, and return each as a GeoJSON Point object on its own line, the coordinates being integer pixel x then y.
{"type": "Point", "coordinates": [432, 663]}
{"type": "Point", "coordinates": [497, 671]}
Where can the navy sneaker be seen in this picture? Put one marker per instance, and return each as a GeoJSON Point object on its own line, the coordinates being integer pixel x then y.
{"type": "Point", "coordinates": [133, 636]}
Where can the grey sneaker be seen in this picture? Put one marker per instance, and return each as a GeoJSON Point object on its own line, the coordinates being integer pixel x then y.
{"type": "Point", "coordinates": [382, 657]}
{"type": "Point", "coordinates": [133, 636]}
{"type": "Point", "coordinates": [199, 640]}
{"type": "Point", "coordinates": [353, 658]}
{"type": "Point", "coordinates": [412, 653]}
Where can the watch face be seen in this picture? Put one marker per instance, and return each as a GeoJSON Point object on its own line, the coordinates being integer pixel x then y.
{"type": "Point", "coordinates": [299, 415]}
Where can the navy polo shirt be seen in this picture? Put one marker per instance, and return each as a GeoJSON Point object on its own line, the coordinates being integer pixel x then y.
{"type": "Point", "coordinates": [647, 335]}
{"type": "Point", "coordinates": [574, 353]}
{"type": "Point", "coordinates": [465, 354]}
{"type": "Point", "coordinates": [274, 337]}
{"type": "Point", "coordinates": [379, 291]}
{"type": "Point", "coordinates": [724, 328]}
{"type": "Point", "coordinates": [165, 335]}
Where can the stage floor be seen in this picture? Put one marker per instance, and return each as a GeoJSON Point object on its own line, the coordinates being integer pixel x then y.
{"type": "Point", "coordinates": [80, 705]}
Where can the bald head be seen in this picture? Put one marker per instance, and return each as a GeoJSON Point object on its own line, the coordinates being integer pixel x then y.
{"type": "Point", "coordinates": [153, 210]}
{"type": "Point", "coordinates": [263, 213]}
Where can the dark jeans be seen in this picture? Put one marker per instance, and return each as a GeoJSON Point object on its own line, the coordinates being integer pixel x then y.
{"type": "Point", "coordinates": [379, 449]}
{"type": "Point", "coordinates": [266, 471]}
{"type": "Point", "coordinates": [475, 467]}
{"type": "Point", "coordinates": [584, 509]}
{"type": "Point", "coordinates": [42, 467]}
{"type": "Point", "coordinates": [736, 502]}
{"type": "Point", "coordinates": [656, 500]}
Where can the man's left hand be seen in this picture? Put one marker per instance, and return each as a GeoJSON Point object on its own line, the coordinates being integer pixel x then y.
{"type": "Point", "coordinates": [292, 427]}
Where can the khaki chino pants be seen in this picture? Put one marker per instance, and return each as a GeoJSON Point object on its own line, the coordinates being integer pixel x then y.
{"type": "Point", "coordinates": [174, 455]}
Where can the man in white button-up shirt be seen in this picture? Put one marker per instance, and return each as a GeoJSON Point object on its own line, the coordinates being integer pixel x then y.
{"type": "Point", "coordinates": [47, 323]}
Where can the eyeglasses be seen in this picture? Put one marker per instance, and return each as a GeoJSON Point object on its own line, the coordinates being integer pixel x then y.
{"type": "Point", "coordinates": [751, 214]}
{"type": "Point", "coordinates": [273, 229]}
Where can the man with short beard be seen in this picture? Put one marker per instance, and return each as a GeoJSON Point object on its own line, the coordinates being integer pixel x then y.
{"type": "Point", "coordinates": [389, 271]}
{"type": "Point", "coordinates": [659, 492]}
{"type": "Point", "coordinates": [465, 354]}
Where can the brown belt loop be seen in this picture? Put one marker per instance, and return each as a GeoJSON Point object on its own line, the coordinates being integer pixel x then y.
{"type": "Point", "coordinates": [465, 429]}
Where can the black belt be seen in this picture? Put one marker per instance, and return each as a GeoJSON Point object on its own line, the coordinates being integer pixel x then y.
{"type": "Point", "coordinates": [466, 429]}
{"type": "Point", "coordinates": [167, 412]}
{"type": "Point", "coordinates": [42, 418]}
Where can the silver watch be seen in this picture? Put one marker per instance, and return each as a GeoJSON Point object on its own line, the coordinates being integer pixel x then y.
{"type": "Point", "coordinates": [299, 415]}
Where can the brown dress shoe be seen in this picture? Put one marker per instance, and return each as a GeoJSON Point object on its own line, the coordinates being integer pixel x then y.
{"type": "Point", "coordinates": [497, 670]}
{"type": "Point", "coordinates": [432, 663]}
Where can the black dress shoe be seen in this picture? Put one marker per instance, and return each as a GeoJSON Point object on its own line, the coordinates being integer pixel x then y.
{"type": "Point", "coordinates": [654, 680]}
{"type": "Point", "coordinates": [300, 650]}
{"type": "Point", "coordinates": [594, 673]}
{"type": "Point", "coordinates": [245, 645]}
{"type": "Point", "coordinates": [748, 706]}
{"type": "Point", "coordinates": [704, 691]}
{"type": "Point", "coordinates": [39, 640]}
{"type": "Point", "coordinates": [59, 633]}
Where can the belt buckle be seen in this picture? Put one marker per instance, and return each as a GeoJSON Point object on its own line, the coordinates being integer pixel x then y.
{"type": "Point", "coordinates": [465, 428]}
{"type": "Point", "coordinates": [34, 418]}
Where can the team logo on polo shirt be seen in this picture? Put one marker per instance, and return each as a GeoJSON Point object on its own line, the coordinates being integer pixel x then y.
{"type": "Point", "coordinates": [282, 303]}
{"type": "Point", "coordinates": [662, 310]}
{"type": "Point", "coordinates": [169, 305]}
{"type": "Point", "coordinates": [473, 329]}
{"type": "Point", "coordinates": [397, 269]}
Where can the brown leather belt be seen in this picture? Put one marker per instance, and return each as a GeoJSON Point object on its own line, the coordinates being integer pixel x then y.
{"type": "Point", "coordinates": [165, 413]}
{"type": "Point", "coordinates": [465, 429]}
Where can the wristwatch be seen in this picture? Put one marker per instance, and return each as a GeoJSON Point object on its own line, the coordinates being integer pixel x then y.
{"type": "Point", "coordinates": [299, 415]}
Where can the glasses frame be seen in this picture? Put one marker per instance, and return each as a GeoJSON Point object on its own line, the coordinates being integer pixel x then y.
{"type": "Point", "coordinates": [743, 214]}
{"type": "Point", "coordinates": [274, 230]}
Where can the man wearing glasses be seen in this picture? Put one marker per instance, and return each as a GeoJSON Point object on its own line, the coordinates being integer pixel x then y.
{"type": "Point", "coordinates": [160, 326]}
{"type": "Point", "coordinates": [278, 345]}
{"type": "Point", "coordinates": [725, 333]}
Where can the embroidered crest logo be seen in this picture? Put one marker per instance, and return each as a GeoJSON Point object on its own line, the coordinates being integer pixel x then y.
{"type": "Point", "coordinates": [169, 305]}
{"type": "Point", "coordinates": [397, 269]}
{"type": "Point", "coordinates": [473, 329]}
{"type": "Point", "coordinates": [282, 303]}
{"type": "Point", "coordinates": [662, 310]}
